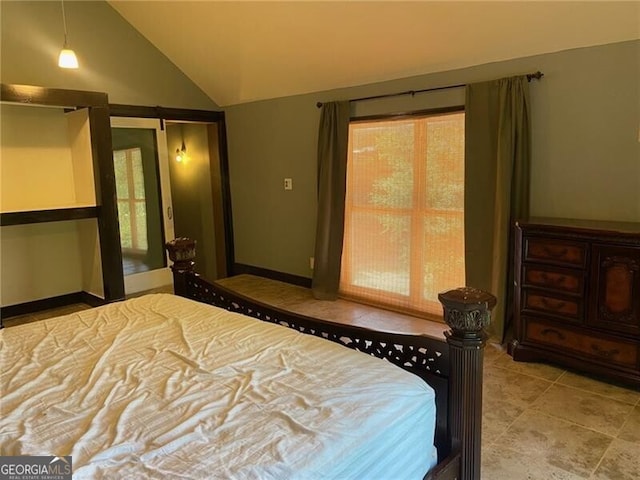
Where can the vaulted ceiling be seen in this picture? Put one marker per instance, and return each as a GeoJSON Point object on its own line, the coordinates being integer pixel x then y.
{"type": "Point", "coordinates": [240, 51]}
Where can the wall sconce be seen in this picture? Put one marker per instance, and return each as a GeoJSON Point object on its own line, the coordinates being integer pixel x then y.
{"type": "Point", "coordinates": [67, 58]}
{"type": "Point", "coordinates": [181, 153]}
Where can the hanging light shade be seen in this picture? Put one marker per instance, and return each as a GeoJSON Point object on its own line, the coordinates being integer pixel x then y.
{"type": "Point", "coordinates": [67, 57]}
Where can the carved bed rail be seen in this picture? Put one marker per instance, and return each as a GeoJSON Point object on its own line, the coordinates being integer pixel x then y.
{"type": "Point", "coordinates": [452, 367]}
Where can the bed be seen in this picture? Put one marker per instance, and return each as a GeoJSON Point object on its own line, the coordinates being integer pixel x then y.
{"type": "Point", "coordinates": [191, 386]}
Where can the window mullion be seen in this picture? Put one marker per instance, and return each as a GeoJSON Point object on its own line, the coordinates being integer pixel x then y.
{"type": "Point", "coordinates": [132, 203]}
{"type": "Point", "coordinates": [417, 222]}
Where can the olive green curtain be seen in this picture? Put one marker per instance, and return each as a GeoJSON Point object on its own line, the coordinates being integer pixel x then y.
{"type": "Point", "coordinates": [333, 140]}
{"type": "Point", "coordinates": [497, 165]}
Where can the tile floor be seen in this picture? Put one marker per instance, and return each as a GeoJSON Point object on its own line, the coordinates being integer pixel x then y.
{"type": "Point", "coordinates": [540, 422]}
{"type": "Point", "coordinates": [67, 309]}
{"type": "Point", "coordinates": [44, 314]}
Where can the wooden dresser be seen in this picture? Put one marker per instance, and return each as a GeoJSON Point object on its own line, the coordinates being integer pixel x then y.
{"type": "Point", "coordinates": [577, 296]}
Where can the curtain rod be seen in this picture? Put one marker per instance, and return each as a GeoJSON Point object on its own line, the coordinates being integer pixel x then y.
{"type": "Point", "coordinates": [530, 76]}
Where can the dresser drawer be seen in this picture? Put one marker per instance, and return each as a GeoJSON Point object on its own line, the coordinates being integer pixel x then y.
{"type": "Point", "coordinates": [599, 347]}
{"type": "Point", "coordinates": [555, 251]}
{"type": "Point", "coordinates": [568, 281]}
{"type": "Point", "coordinates": [536, 301]}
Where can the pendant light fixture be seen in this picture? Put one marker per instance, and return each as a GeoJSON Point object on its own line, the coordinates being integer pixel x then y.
{"type": "Point", "coordinates": [67, 58]}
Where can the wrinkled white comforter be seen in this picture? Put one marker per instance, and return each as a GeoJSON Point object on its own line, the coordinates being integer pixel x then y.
{"type": "Point", "coordinates": [164, 387]}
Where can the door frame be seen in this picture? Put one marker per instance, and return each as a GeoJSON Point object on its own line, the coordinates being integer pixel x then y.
{"type": "Point", "coordinates": [224, 242]}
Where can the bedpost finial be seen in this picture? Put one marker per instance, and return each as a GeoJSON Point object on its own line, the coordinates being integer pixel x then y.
{"type": "Point", "coordinates": [182, 252]}
{"type": "Point", "coordinates": [467, 310]}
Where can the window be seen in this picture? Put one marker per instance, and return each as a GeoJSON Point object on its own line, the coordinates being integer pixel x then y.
{"type": "Point", "coordinates": [404, 215]}
{"type": "Point", "coordinates": [130, 193]}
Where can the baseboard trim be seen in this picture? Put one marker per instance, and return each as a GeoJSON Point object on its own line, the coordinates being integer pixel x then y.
{"type": "Point", "coordinates": [49, 303]}
{"type": "Point", "coordinates": [92, 300]}
{"type": "Point", "coordinates": [241, 268]}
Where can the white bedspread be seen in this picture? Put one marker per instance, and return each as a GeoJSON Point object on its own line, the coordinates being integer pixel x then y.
{"type": "Point", "coordinates": [164, 387]}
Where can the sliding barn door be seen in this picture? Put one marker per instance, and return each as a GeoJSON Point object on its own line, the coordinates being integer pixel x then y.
{"type": "Point", "coordinates": [144, 201]}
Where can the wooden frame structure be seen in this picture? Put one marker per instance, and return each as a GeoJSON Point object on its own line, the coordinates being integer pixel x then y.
{"type": "Point", "coordinates": [453, 367]}
{"type": "Point", "coordinates": [105, 210]}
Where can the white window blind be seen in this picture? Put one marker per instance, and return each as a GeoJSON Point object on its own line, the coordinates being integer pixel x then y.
{"type": "Point", "coordinates": [404, 218]}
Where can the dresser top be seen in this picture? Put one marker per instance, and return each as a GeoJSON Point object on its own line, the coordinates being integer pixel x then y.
{"type": "Point", "coordinates": [600, 225]}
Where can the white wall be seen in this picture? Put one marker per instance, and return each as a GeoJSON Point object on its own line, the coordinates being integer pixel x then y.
{"type": "Point", "coordinates": [46, 164]}
{"type": "Point", "coordinates": [36, 167]}
{"type": "Point", "coordinates": [39, 261]}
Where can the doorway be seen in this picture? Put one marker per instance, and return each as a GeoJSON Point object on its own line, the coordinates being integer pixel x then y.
{"type": "Point", "coordinates": [192, 170]}
{"type": "Point", "coordinates": [193, 185]}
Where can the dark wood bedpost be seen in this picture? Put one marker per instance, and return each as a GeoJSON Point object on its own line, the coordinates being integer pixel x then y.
{"type": "Point", "coordinates": [182, 252]}
{"type": "Point", "coordinates": [467, 312]}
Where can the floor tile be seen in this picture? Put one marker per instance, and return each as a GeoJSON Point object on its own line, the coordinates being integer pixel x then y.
{"type": "Point", "coordinates": [492, 351]}
{"type": "Point", "coordinates": [396, 322]}
{"type": "Point", "coordinates": [620, 462]}
{"type": "Point", "coordinates": [162, 289]}
{"type": "Point", "coordinates": [326, 310]}
{"type": "Point", "coordinates": [561, 444]}
{"type": "Point", "coordinates": [506, 464]}
{"type": "Point", "coordinates": [266, 290]}
{"type": "Point", "coordinates": [300, 300]}
{"type": "Point", "coordinates": [587, 409]}
{"type": "Point", "coordinates": [631, 429]}
{"type": "Point", "coordinates": [506, 395]}
{"type": "Point", "coordinates": [535, 369]}
{"type": "Point", "coordinates": [497, 417]}
{"type": "Point", "coordinates": [60, 311]}
{"type": "Point", "coordinates": [512, 387]}
{"type": "Point", "coordinates": [44, 314]}
{"type": "Point", "coordinates": [611, 390]}
{"type": "Point", "coordinates": [18, 320]}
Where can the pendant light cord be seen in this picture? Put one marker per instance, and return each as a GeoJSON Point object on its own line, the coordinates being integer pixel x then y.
{"type": "Point", "coordinates": [64, 23]}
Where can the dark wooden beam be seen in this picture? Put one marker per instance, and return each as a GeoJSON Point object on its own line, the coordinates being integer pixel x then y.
{"type": "Point", "coordinates": [34, 95]}
{"type": "Point", "coordinates": [165, 113]}
{"type": "Point", "coordinates": [105, 186]}
{"type": "Point", "coordinates": [43, 216]}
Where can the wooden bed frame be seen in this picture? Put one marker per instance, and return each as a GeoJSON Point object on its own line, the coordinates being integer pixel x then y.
{"type": "Point", "coordinates": [453, 367]}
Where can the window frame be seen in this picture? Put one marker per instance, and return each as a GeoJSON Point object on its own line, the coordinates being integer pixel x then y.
{"type": "Point", "coordinates": [413, 286]}
{"type": "Point", "coordinates": [131, 200]}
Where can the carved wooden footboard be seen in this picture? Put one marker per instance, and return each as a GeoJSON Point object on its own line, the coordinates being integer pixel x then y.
{"type": "Point", "coordinates": [453, 367]}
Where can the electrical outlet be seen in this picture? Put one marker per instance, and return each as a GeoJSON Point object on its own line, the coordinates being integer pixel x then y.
{"type": "Point", "coordinates": [288, 184]}
{"type": "Point", "coordinates": [312, 262]}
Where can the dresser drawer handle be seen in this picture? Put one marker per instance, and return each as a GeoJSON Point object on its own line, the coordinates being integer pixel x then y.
{"type": "Point", "coordinates": [552, 305]}
{"type": "Point", "coordinates": [551, 331]}
{"type": "Point", "coordinates": [604, 353]}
